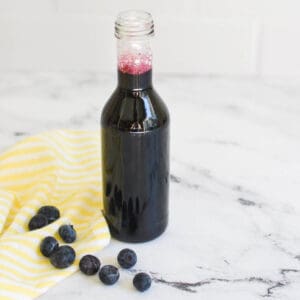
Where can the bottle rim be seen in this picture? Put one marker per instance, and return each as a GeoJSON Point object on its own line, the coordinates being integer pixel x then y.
{"type": "Point", "coordinates": [134, 23]}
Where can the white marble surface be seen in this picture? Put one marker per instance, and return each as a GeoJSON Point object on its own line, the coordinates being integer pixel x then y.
{"type": "Point", "coordinates": [234, 231]}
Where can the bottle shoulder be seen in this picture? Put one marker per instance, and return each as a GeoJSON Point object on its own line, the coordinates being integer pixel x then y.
{"type": "Point", "coordinates": [135, 111]}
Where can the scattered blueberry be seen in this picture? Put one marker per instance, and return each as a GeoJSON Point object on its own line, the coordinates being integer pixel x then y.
{"type": "Point", "coordinates": [48, 246]}
{"type": "Point", "coordinates": [50, 212]}
{"type": "Point", "coordinates": [37, 221]}
{"type": "Point", "coordinates": [109, 275]}
{"type": "Point", "coordinates": [67, 233]}
{"type": "Point", "coordinates": [142, 282]}
{"type": "Point", "coordinates": [63, 257]}
{"type": "Point", "coordinates": [127, 258]}
{"type": "Point", "coordinates": [89, 264]}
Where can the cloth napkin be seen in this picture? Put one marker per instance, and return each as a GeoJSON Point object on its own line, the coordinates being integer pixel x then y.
{"type": "Point", "coordinates": [60, 168]}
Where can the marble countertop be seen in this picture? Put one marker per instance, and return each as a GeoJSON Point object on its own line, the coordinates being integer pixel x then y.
{"type": "Point", "coordinates": [234, 229]}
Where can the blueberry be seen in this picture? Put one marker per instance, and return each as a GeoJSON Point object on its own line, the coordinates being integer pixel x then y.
{"type": "Point", "coordinates": [67, 233]}
{"type": "Point", "coordinates": [127, 258]}
{"type": "Point", "coordinates": [37, 221]}
{"type": "Point", "coordinates": [50, 212]}
{"type": "Point", "coordinates": [63, 257]}
{"type": "Point", "coordinates": [142, 282]}
{"type": "Point", "coordinates": [89, 265]}
{"type": "Point", "coordinates": [48, 246]}
{"type": "Point", "coordinates": [109, 275]}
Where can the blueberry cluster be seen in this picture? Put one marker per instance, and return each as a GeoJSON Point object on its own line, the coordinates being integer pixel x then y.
{"type": "Point", "coordinates": [60, 256]}
{"type": "Point", "coordinates": [64, 256]}
{"type": "Point", "coordinates": [109, 274]}
{"type": "Point", "coordinates": [45, 215]}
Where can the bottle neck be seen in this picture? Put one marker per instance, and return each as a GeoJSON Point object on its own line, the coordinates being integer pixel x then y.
{"type": "Point", "coordinates": [134, 63]}
{"type": "Point", "coordinates": [135, 81]}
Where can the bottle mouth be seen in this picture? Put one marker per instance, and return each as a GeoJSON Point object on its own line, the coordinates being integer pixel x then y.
{"type": "Point", "coordinates": [134, 23]}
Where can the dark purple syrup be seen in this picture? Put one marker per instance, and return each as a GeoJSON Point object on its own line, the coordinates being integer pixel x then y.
{"type": "Point", "coordinates": [135, 154]}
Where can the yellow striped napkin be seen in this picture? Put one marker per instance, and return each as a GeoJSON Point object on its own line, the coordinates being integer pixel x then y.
{"type": "Point", "coordinates": [60, 168]}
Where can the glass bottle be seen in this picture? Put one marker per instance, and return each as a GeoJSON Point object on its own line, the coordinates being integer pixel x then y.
{"type": "Point", "coordinates": [135, 139]}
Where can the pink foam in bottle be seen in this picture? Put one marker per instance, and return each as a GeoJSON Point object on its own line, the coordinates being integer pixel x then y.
{"type": "Point", "coordinates": [135, 64]}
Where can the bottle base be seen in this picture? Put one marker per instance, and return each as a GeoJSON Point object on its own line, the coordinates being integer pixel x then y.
{"type": "Point", "coordinates": [139, 238]}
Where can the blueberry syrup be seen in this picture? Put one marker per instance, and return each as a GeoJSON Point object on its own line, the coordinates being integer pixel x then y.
{"type": "Point", "coordinates": [135, 146]}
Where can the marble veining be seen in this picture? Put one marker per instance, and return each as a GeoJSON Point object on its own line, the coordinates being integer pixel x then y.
{"type": "Point", "coordinates": [234, 229]}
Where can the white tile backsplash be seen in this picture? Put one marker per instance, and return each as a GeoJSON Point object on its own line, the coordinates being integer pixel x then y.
{"type": "Point", "coordinates": [57, 43]}
{"type": "Point", "coordinates": [233, 37]}
{"type": "Point", "coordinates": [30, 7]}
{"type": "Point", "coordinates": [218, 46]}
{"type": "Point", "coordinates": [263, 9]}
{"type": "Point", "coordinates": [281, 50]}
{"type": "Point", "coordinates": [113, 7]}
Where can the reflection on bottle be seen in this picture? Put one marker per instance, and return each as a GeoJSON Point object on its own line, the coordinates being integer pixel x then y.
{"type": "Point", "coordinates": [118, 197]}
{"type": "Point", "coordinates": [124, 215]}
{"type": "Point", "coordinates": [111, 208]}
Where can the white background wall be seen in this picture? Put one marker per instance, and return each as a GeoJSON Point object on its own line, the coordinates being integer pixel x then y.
{"type": "Point", "coordinates": [218, 37]}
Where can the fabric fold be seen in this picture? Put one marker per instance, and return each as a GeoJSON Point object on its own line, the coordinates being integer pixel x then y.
{"type": "Point", "coordinates": [60, 168]}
